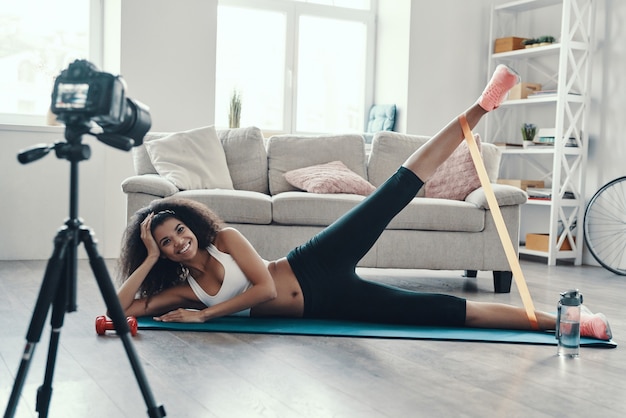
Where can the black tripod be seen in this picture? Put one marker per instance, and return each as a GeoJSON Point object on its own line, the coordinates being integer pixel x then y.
{"type": "Point", "coordinates": [58, 290]}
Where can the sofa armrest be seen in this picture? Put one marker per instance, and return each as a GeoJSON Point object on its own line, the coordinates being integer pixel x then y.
{"type": "Point", "coordinates": [505, 196]}
{"type": "Point", "coordinates": [152, 184]}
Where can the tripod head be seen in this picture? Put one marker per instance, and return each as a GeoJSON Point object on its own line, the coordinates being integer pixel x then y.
{"type": "Point", "coordinates": [74, 149]}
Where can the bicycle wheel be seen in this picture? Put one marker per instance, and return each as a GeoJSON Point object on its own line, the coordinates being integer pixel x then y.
{"type": "Point", "coordinates": [605, 226]}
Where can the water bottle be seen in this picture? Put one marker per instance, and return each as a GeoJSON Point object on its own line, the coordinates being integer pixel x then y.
{"type": "Point", "coordinates": [568, 323]}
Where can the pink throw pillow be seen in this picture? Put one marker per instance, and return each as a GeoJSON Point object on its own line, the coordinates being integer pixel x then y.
{"type": "Point", "coordinates": [456, 177]}
{"type": "Point", "coordinates": [333, 177]}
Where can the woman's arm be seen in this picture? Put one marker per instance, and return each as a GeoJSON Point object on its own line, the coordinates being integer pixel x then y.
{"type": "Point", "coordinates": [263, 289]}
{"type": "Point", "coordinates": [128, 291]}
{"type": "Point", "coordinates": [157, 304]}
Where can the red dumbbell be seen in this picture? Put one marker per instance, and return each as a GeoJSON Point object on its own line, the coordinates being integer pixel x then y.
{"type": "Point", "coordinates": [104, 323]}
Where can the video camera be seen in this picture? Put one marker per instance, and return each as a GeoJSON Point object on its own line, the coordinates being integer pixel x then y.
{"type": "Point", "coordinates": [82, 94]}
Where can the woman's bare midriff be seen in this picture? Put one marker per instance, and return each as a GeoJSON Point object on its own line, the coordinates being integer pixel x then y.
{"type": "Point", "coordinates": [289, 301]}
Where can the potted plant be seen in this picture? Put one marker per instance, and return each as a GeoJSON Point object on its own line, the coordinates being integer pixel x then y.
{"type": "Point", "coordinates": [541, 41]}
{"type": "Point", "coordinates": [234, 115]}
{"type": "Point", "coordinates": [529, 130]}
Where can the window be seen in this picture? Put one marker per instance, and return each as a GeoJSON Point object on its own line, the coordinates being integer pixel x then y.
{"type": "Point", "coordinates": [250, 61]}
{"type": "Point", "coordinates": [298, 67]}
{"type": "Point", "coordinates": [38, 39]}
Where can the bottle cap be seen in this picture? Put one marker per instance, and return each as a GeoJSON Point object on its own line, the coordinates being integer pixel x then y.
{"type": "Point", "coordinates": [571, 298]}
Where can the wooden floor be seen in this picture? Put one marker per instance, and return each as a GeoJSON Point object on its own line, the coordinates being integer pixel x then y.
{"type": "Point", "coordinates": [237, 375]}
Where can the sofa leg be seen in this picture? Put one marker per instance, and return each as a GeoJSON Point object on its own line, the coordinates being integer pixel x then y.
{"type": "Point", "coordinates": [502, 281]}
{"type": "Point", "coordinates": [470, 273]}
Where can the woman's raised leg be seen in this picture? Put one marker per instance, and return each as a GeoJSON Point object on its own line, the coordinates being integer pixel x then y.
{"type": "Point", "coordinates": [431, 155]}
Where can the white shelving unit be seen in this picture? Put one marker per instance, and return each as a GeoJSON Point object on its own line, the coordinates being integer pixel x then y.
{"type": "Point", "coordinates": [563, 66]}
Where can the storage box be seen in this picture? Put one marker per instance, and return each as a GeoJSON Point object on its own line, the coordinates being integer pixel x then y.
{"type": "Point", "coordinates": [508, 44]}
{"type": "Point", "coordinates": [522, 184]}
{"type": "Point", "coordinates": [539, 242]}
{"type": "Point", "coordinates": [522, 90]}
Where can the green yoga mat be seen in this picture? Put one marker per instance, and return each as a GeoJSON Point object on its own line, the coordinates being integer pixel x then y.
{"type": "Point", "coordinates": [364, 330]}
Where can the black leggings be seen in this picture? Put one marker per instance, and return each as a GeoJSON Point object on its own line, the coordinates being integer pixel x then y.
{"type": "Point", "coordinates": [325, 267]}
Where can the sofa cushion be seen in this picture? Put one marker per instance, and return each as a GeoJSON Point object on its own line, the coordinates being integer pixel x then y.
{"type": "Point", "coordinates": [289, 152]}
{"type": "Point", "coordinates": [234, 206]}
{"type": "Point", "coordinates": [492, 155]}
{"type": "Point", "coordinates": [429, 214]}
{"type": "Point", "coordinates": [246, 158]}
{"type": "Point", "coordinates": [141, 159]}
{"type": "Point", "coordinates": [456, 177]}
{"type": "Point", "coordinates": [389, 151]}
{"type": "Point", "coordinates": [302, 208]}
{"type": "Point", "coordinates": [192, 159]}
{"type": "Point", "coordinates": [245, 155]}
{"type": "Point", "coordinates": [333, 177]}
{"type": "Point", "coordinates": [505, 196]}
{"type": "Point", "coordinates": [152, 184]}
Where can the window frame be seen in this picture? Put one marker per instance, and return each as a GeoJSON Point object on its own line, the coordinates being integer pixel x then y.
{"type": "Point", "coordinates": [96, 55]}
{"type": "Point", "coordinates": [293, 10]}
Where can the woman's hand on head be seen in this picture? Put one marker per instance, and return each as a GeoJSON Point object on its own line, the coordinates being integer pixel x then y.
{"type": "Point", "coordinates": [147, 238]}
{"type": "Point", "coordinates": [181, 315]}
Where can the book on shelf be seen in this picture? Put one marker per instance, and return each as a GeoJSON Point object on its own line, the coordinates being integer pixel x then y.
{"type": "Point", "coordinates": [508, 144]}
{"type": "Point", "coordinates": [543, 93]}
{"type": "Point", "coordinates": [548, 93]}
{"type": "Point", "coordinates": [545, 193]}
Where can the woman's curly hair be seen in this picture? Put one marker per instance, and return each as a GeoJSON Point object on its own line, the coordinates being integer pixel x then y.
{"type": "Point", "coordinates": [202, 221]}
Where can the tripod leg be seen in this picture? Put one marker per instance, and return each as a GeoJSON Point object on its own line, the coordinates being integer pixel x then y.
{"type": "Point", "coordinates": [49, 289]}
{"type": "Point", "coordinates": [59, 307]}
{"type": "Point", "coordinates": [119, 320]}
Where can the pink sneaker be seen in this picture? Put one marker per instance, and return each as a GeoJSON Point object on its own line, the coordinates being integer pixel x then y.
{"type": "Point", "coordinates": [502, 80]}
{"type": "Point", "coordinates": [595, 326]}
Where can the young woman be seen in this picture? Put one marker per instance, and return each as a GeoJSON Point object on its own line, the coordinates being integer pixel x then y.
{"type": "Point", "coordinates": [182, 265]}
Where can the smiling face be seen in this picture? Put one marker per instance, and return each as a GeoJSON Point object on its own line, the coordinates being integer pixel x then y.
{"type": "Point", "coordinates": [176, 241]}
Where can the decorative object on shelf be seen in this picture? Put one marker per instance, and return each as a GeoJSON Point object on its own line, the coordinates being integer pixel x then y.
{"type": "Point", "coordinates": [522, 184]}
{"type": "Point", "coordinates": [541, 41]}
{"type": "Point", "coordinates": [529, 130]}
{"type": "Point", "coordinates": [234, 116]}
{"type": "Point", "coordinates": [545, 136]}
{"type": "Point", "coordinates": [510, 43]}
{"type": "Point", "coordinates": [540, 242]}
{"type": "Point", "coordinates": [523, 90]}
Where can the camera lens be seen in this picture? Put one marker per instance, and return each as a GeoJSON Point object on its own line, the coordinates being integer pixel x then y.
{"type": "Point", "coordinates": [135, 124]}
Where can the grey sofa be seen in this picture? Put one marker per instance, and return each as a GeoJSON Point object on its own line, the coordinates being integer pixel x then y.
{"type": "Point", "coordinates": [436, 234]}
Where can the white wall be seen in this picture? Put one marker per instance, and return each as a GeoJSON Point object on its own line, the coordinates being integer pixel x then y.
{"type": "Point", "coordinates": [392, 58]}
{"type": "Point", "coordinates": [168, 59]}
{"type": "Point", "coordinates": [607, 147]}
{"type": "Point", "coordinates": [447, 61]}
{"type": "Point", "coordinates": [435, 68]}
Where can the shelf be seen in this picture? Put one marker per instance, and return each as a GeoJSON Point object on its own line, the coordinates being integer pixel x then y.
{"type": "Point", "coordinates": [551, 98]}
{"type": "Point", "coordinates": [560, 254]}
{"type": "Point", "coordinates": [538, 51]}
{"type": "Point", "coordinates": [526, 5]}
{"type": "Point", "coordinates": [532, 150]}
{"type": "Point", "coordinates": [539, 149]}
{"type": "Point", "coordinates": [548, 202]}
{"type": "Point", "coordinates": [565, 65]}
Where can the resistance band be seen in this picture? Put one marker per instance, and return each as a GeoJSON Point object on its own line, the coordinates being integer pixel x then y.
{"type": "Point", "coordinates": [499, 221]}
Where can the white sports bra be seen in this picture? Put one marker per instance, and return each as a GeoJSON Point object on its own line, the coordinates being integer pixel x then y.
{"type": "Point", "coordinates": [235, 282]}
